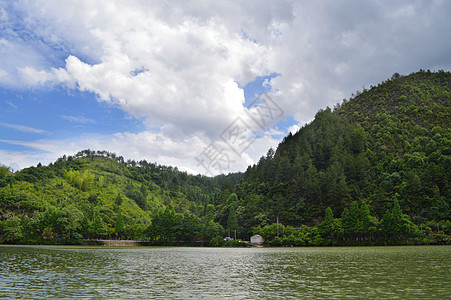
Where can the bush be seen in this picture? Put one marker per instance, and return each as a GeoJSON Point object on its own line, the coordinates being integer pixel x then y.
{"type": "Point", "coordinates": [12, 230]}
{"type": "Point", "coordinates": [216, 242]}
{"type": "Point", "coordinates": [234, 244]}
{"type": "Point", "coordinates": [276, 242]}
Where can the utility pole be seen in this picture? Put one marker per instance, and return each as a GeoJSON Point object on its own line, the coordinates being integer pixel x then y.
{"type": "Point", "coordinates": [277, 226]}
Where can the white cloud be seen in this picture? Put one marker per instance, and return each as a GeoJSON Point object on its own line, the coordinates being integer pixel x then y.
{"type": "Point", "coordinates": [3, 74]}
{"type": "Point", "coordinates": [294, 129]}
{"type": "Point", "coordinates": [11, 104]}
{"type": "Point", "coordinates": [23, 128]}
{"type": "Point", "coordinates": [331, 49]}
{"type": "Point", "coordinates": [178, 66]}
{"type": "Point", "coordinates": [151, 146]}
{"type": "Point", "coordinates": [19, 159]}
{"type": "Point", "coordinates": [78, 119]}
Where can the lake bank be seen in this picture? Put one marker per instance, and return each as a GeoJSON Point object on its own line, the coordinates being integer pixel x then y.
{"type": "Point", "coordinates": [432, 240]}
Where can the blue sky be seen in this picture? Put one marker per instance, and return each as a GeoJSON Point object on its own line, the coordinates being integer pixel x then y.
{"type": "Point", "coordinates": [162, 81]}
{"type": "Point", "coordinates": [58, 113]}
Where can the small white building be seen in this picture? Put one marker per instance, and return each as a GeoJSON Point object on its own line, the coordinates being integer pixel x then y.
{"type": "Point", "coordinates": [257, 239]}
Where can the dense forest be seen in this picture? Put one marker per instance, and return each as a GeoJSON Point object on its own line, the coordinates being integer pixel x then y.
{"type": "Point", "coordinates": [375, 169]}
{"type": "Point", "coordinates": [98, 195]}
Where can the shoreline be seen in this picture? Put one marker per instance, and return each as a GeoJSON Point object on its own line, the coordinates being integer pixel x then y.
{"type": "Point", "coordinates": [243, 244]}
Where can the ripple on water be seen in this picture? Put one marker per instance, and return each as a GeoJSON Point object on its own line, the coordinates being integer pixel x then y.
{"type": "Point", "coordinates": [184, 273]}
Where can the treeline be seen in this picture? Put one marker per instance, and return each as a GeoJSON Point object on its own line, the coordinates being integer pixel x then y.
{"type": "Point", "coordinates": [69, 225]}
{"type": "Point", "coordinates": [358, 227]}
{"type": "Point", "coordinates": [169, 226]}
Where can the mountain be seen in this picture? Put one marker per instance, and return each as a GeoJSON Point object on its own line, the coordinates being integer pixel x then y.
{"type": "Point", "coordinates": [371, 169]}
{"type": "Point", "coordinates": [392, 141]}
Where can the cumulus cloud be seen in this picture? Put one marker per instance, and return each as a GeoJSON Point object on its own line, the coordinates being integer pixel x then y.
{"type": "Point", "coordinates": [180, 66]}
{"type": "Point", "coordinates": [334, 48]}
{"type": "Point", "coordinates": [187, 154]}
{"type": "Point", "coordinates": [293, 129]}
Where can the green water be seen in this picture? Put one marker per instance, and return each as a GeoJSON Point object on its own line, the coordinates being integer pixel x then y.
{"type": "Point", "coordinates": [216, 273]}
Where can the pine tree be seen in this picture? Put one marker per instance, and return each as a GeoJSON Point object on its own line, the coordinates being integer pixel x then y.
{"type": "Point", "coordinates": [232, 222]}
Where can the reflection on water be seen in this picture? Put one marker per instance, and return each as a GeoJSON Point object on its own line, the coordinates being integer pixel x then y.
{"type": "Point", "coordinates": [269, 273]}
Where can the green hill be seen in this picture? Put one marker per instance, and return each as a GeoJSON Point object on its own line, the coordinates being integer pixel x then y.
{"type": "Point", "coordinates": [98, 195]}
{"type": "Point", "coordinates": [408, 129]}
{"type": "Point", "coordinates": [373, 169]}
{"type": "Point", "coordinates": [390, 142]}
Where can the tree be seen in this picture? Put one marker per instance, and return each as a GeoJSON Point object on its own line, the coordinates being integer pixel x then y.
{"type": "Point", "coordinates": [369, 223]}
{"type": "Point", "coordinates": [137, 195]}
{"type": "Point", "coordinates": [270, 154]}
{"type": "Point", "coordinates": [232, 222]}
{"type": "Point", "coordinates": [213, 230]}
{"type": "Point", "coordinates": [395, 224]}
{"type": "Point", "coordinates": [93, 198]}
{"type": "Point", "coordinates": [99, 228]}
{"type": "Point", "coordinates": [210, 213]}
{"type": "Point", "coordinates": [12, 229]}
{"type": "Point", "coordinates": [358, 222]}
{"type": "Point", "coordinates": [330, 229]}
{"type": "Point", "coordinates": [347, 223]}
{"type": "Point", "coordinates": [233, 198]}
{"type": "Point", "coordinates": [4, 170]}
{"type": "Point", "coordinates": [327, 226]}
{"type": "Point", "coordinates": [69, 221]}
{"type": "Point", "coordinates": [85, 227]}
{"type": "Point", "coordinates": [358, 140]}
{"type": "Point", "coordinates": [118, 200]}
{"type": "Point", "coordinates": [119, 226]}
{"type": "Point", "coordinates": [165, 225]}
{"type": "Point", "coordinates": [355, 219]}
{"type": "Point", "coordinates": [395, 76]}
{"type": "Point", "coordinates": [190, 228]}
{"type": "Point", "coordinates": [269, 232]}
{"type": "Point", "coordinates": [47, 234]}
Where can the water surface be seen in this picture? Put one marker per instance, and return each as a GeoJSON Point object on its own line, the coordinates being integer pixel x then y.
{"type": "Point", "coordinates": [251, 273]}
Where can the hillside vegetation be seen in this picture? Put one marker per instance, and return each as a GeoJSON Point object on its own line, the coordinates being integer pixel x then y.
{"type": "Point", "coordinates": [372, 170]}
{"type": "Point", "coordinates": [95, 194]}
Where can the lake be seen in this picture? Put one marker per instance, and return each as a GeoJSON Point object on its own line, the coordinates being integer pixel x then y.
{"type": "Point", "coordinates": [217, 273]}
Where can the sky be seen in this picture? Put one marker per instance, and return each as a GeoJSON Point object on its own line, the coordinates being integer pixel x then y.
{"type": "Point", "coordinates": [206, 86]}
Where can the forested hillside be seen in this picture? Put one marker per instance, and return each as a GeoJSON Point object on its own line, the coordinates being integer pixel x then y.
{"type": "Point", "coordinates": [373, 169]}
{"type": "Point", "coordinates": [95, 194]}
{"type": "Point", "coordinates": [392, 142]}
